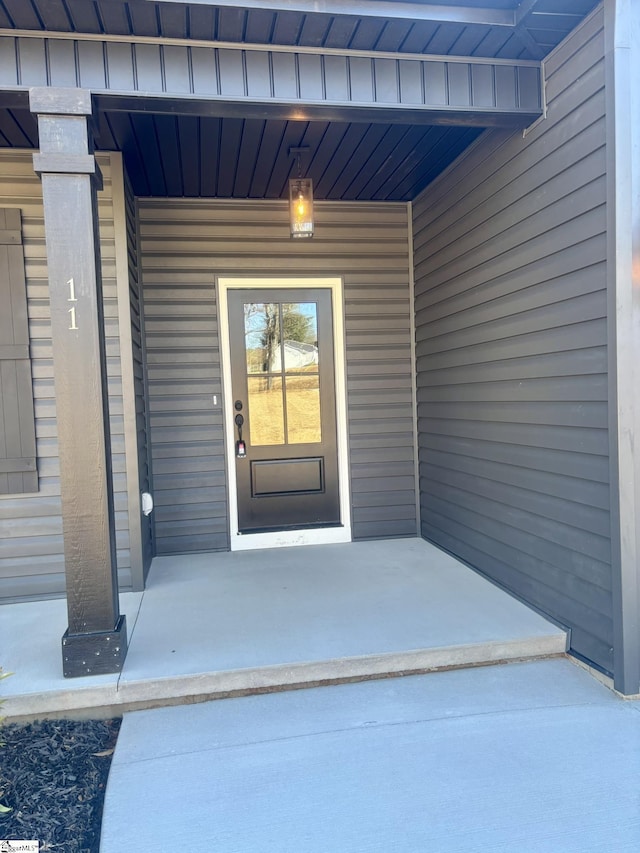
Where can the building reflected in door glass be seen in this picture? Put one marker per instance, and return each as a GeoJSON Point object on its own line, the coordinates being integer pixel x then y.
{"type": "Point", "coordinates": [283, 364]}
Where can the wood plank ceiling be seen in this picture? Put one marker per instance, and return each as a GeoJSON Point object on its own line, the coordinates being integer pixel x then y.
{"type": "Point", "coordinates": [171, 155]}
{"type": "Point", "coordinates": [542, 24]}
{"type": "Point", "coordinates": [249, 158]}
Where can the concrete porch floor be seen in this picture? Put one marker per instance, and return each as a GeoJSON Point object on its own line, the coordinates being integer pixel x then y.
{"type": "Point", "coordinates": [210, 625]}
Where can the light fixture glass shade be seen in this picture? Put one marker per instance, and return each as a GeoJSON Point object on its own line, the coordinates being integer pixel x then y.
{"type": "Point", "coordinates": [301, 207]}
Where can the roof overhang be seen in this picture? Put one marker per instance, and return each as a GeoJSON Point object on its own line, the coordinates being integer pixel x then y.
{"type": "Point", "coordinates": [439, 13]}
{"type": "Point", "coordinates": [206, 97]}
{"type": "Point", "coordinates": [506, 29]}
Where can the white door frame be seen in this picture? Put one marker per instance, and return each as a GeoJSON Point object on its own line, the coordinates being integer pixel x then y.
{"type": "Point", "coordinates": [314, 536]}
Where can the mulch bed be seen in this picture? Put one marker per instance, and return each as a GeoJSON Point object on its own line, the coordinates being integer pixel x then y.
{"type": "Point", "coordinates": [53, 775]}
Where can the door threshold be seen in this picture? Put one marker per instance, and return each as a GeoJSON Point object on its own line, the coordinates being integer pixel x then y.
{"type": "Point", "coordinates": [290, 538]}
{"type": "Point", "coordinates": [291, 528]}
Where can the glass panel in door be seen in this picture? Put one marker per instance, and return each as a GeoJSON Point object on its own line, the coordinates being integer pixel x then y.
{"type": "Point", "coordinates": [283, 372]}
{"type": "Point", "coordinates": [284, 408]}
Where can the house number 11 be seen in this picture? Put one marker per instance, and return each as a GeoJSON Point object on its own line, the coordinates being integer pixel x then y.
{"type": "Point", "coordinates": [72, 298]}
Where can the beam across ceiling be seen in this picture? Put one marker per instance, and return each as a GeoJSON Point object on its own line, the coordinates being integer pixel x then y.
{"type": "Point", "coordinates": [407, 10]}
{"type": "Point", "coordinates": [526, 7]}
{"type": "Point", "coordinates": [256, 80]}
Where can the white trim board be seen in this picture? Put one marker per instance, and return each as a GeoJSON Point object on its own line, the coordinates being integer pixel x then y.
{"type": "Point", "coordinates": [287, 538]}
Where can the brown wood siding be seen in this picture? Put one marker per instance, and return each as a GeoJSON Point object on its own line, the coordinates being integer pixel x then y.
{"type": "Point", "coordinates": [31, 551]}
{"type": "Point", "coordinates": [512, 354]}
{"type": "Point", "coordinates": [184, 246]}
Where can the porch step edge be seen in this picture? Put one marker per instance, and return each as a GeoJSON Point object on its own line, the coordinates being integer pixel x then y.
{"type": "Point", "coordinates": [115, 699]}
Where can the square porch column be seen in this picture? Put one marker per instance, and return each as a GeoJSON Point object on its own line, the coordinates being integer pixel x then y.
{"type": "Point", "coordinates": [96, 639]}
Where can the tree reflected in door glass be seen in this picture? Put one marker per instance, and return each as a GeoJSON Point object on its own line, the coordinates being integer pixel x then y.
{"type": "Point", "coordinates": [281, 340]}
{"type": "Point", "coordinates": [262, 336]}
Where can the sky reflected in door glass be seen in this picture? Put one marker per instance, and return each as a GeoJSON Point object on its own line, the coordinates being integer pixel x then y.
{"type": "Point", "coordinates": [300, 335]}
{"type": "Point", "coordinates": [282, 358]}
{"type": "Point", "coordinates": [262, 336]}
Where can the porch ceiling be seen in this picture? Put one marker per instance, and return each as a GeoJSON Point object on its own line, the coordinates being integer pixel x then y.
{"type": "Point", "coordinates": [237, 157]}
{"type": "Point", "coordinates": [208, 157]}
{"type": "Point", "coordinates": [522, 29]}
{"type": "Point", "coordinates": [249, 158]}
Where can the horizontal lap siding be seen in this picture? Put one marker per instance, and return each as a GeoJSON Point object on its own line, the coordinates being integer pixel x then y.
{"type": "Point", "coordinates": [137, 337]}
{"type": "Point", "coordinates": [31, 548]}
{"type": "Point", "coordinates": [512, 354]}
{"type": "Point", "coordinates": [184, 246]}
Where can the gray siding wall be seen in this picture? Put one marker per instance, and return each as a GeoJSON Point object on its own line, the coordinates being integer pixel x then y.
{"type": "Point", "coordinates": [184, 246]}
{"type": "Point", "coordinates": [512, 354]}
{"type": "Point", "coordinates": [139, 370]}
{"type": "Point", "coordinates": [31, 550]}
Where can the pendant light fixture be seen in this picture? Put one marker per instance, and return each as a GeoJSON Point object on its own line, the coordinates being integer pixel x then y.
{"type": "Point", "coordinates": [300, 200]}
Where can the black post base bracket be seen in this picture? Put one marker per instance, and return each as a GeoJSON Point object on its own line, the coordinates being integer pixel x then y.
{"type": "Point", "coordinates": [96, 653]}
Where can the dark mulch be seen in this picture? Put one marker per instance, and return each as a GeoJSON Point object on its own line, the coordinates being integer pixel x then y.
{"type": "Point", "coordinates": [53, 775]}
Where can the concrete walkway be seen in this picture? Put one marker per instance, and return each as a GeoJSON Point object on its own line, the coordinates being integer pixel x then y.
{"type": "Point", "coordinates": [211, 624]}
{"type": "Point", "coordinates": [533, 757]}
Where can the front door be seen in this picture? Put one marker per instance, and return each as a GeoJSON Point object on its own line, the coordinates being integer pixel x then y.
{"type": "Point", "coordinates": [283, 388]}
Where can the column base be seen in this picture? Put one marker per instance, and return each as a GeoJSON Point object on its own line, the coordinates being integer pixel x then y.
{"type": "Point", "coordinates": [95, 653]}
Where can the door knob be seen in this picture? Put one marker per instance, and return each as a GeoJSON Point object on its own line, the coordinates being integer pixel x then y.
{"type": "Point", "coordinates": [241, 447]}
